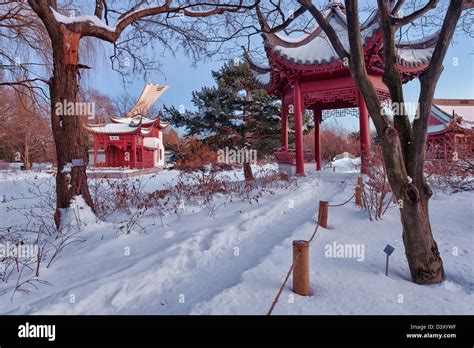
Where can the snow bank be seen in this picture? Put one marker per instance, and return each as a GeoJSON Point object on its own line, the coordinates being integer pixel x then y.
{"type": "Point", "coordinates": [234, 262]}
{"type": "Point", "coordinates": [347, 165]}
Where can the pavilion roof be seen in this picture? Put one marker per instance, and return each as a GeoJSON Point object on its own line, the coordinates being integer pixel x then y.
{"type": "Point", "coordinates": [134, 121]}
{"type": "Point", "coordinates": [118, 128]}
{"type": "Point", "coordinates": [313, 50]}
{"type": "Point", "coordinates": [447, 121]}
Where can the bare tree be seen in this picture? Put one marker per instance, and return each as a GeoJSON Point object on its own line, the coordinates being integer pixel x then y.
{"type": "Point", "coordinates": [139, 24]}
{"type": "Point", "coordinates": [403, 143]}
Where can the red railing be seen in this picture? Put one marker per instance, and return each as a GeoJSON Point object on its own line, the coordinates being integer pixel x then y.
{"type": "Point", "coordinates": [288, 156]}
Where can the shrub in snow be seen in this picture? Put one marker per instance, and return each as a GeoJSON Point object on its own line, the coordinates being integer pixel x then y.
{"type": "Point", "coordinates": [377, 194]}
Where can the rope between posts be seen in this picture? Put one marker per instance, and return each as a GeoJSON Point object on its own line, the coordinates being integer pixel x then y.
{"type": "Point", "coordinates": [275, 301]}
{"type": "Point", "coordinates": [339, 205]}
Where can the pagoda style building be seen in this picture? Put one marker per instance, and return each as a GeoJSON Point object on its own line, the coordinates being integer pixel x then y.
{"type": "Point", "coordinates": [134, 141]}
{"type": "Point", "coordinates": [451, 129]}
{"type": "Point", "coordinates": [306, 73]}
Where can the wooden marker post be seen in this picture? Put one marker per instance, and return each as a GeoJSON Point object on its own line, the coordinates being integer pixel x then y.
{"type": "Point", "coordinates": [301, 267]}
{"type": "Point", "coordinates": [358, 191]}
{"type": "Point", "coordinates": [323, 214]}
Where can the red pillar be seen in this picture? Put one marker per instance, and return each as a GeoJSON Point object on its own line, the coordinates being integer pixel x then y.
{"type": "Point", "coordinates": [284, 124]}
{"type": "Point", "coordinates": [96, 141]}
{"type": "Point", "coordinates": [143, 153]}
{"type": "Point", "coordinates": [133, 158]}
{"type": "Point", "coordinates": [317, 137]}
{"type": "Point", "coordinates": [107, 153]}
{"type": "Point", "coordinates": [298, 129]}
{"type": "Point", "coordinates": [364, 134]}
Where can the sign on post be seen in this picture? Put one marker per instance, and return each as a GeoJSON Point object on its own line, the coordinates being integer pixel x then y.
{"type": "Point", "coordinates": [388, 250]}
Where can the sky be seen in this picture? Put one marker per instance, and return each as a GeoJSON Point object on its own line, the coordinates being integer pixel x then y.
{"type": "Point", "coordinates": [177, 71]}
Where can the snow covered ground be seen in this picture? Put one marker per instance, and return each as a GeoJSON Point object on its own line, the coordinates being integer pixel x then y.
{"type": "Point", "coordinates": [235, 261]}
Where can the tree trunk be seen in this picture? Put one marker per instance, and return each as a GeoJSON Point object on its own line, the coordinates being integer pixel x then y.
{"type": "Point", "coordinates": [248, 174]}
{"type": "Point", "coordinates": [67, 129]}
{"type": "Point", "coordinates": [27, 152]}
{"type": "Point", "coordinates": [421, 250]}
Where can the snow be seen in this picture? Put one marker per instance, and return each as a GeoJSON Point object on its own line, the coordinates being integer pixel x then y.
{"type": "Point", "coordinates": [235, 261]}
{"type": "Point", "coordinates": [119, 128]}
{"type": "Point", "coordinates": [93, 20]}
{"type": "Point", "coordinates": [319, 50]}
{"type": "Point", "coordinates": [436, 128]}
{"type": "Point", "coordinates": [264, 79]}
{"type": "Point", "coordinates": [410, 56]}
{"type": "Point", "coordinates": [465, 111]}
{"type": "Point", "coordinates": [347, 165]}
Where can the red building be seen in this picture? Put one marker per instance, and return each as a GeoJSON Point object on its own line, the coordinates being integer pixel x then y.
{"type": "Point", "coordinates": [451, 129]}
{"type": "Point", "coordinates": [306, 73]}
{"type": "Point", "coordinates": [134, 141]}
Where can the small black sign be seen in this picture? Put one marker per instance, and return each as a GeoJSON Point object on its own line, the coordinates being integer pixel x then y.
{"type": "Point", "coordinates": [388, 249]}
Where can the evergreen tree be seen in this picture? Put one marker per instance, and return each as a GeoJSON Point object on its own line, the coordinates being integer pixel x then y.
{"type": "Point", "coordinates": [236, 113]}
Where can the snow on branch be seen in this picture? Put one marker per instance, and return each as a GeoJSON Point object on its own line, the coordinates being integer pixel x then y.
{"type": "Point", "coordinates": [91, 20]}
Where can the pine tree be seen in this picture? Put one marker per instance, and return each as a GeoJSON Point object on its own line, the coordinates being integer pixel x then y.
{"type": "Point", "coordinates": [236, 113]}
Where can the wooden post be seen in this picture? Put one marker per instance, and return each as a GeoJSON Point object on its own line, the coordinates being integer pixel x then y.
{"type": "Point", "coordinates": [358, 191]}
{"type": "Point", "coordinates": [301, 267]}
{"type": "Point", "coordinates": [323, 214]}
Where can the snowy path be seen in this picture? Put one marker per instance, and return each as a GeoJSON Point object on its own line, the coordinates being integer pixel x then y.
{"type": "Point", "coordinates": [235, 262]}
{"type": "Point", "coordinates": [221, 265]}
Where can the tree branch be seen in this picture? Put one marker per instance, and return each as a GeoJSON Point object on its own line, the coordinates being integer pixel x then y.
{"type": "Point", "coordinates": [413, 16]}
{"type": "Point", "coordinates": [391, 78]}
{"type": "Point", "coordinates": [328, 29]}
{"type": "Point", "coordinates": [429, 79]}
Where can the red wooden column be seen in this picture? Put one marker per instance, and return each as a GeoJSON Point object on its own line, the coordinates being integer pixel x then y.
{"type": "Point", "coordinates": [143, 153]}
{"type": "Point", "coordinates": [364, 134]}
{"type": "Point", "coordinates": [95, 150]}
{"type": "Point", "coordinates": [298, 129]}
{"type": "Point", "coordinates": [317, 136]}
{"type": "Point", "coordinates": [284, 123]}
{"type": "Point", "coordinates": [107, 152]}
{"type": "Point", "coordinates": [133, 158]}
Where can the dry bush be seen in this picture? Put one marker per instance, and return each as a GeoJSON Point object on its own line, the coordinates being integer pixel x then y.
{"type": "Point", "coordinates": [194, 155]}
{"type": "Point", "coordinates": [376, 193]}
{"type": "Point", "coordinates": [334, 141]}
{"type": "Point", "coordinates": [111, 195]}
{"type": "Point", "coordinates": [37, 228]}
{"type": "Point", "coordinates": [454, 173]}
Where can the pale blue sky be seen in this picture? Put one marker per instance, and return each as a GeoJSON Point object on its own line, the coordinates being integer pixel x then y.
{"type": "Point", "coordinates": [457, 81]}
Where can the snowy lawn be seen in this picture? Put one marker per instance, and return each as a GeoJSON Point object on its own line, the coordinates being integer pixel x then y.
{"type": "Point", "coordinates": [234, 262]}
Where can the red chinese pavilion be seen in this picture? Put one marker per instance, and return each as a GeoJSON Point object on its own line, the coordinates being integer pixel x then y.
{"type": "Point", "coordinates": [451, 128]}
{"type": "Point", "coordinates": [134, 141]}
{"type": "Point", "coordinates": [306, 73]}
